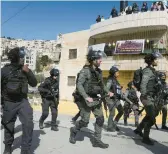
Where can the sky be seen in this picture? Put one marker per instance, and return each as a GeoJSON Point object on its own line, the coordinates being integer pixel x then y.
{"type": "Point", "coordinates": [45, 20]}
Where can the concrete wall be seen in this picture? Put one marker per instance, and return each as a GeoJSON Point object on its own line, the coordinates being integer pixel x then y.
{"type": "Point", "coordinates": [154, 19]}
{"type": "Point", "coordinates": [70, 67]}
{"type": "Point", "coordinates": [131, 62]}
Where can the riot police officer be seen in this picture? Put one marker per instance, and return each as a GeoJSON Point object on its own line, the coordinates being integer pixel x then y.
{"type": "Point", "coordinates": [148, 92]}
{"type": "Point", "coordinates": [114, 86]}
{"type": "Point", "coordinates": [162, 76]}
{"type": "Point", "coordinates": [49, 91]}
{"type": "Point", "coordinates": [131, 94]}
{"type": "Point", "coordinates": [90, 86]}
{"type": "Point", "coordinates": [15, 78]}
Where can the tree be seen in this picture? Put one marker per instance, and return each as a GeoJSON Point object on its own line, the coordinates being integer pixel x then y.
{"type": "Point", "coordinates": [39, 68]}
{"type": "Point", "coordinates": [44, 60]}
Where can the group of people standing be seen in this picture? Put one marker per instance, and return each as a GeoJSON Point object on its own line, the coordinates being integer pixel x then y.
{"type": "Point", "coordinates": [91, 90]}
{"type": "Point", "coordinates": [89, 94]}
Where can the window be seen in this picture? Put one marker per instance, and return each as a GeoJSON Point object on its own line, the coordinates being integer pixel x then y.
{"type": "Point", "coordinates": [71, 80]}
{"type": "Point", "coordinates": [72, 53]}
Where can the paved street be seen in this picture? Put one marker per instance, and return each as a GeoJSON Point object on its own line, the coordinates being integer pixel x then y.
{"type": "Point", "coordinates": [124, 142]}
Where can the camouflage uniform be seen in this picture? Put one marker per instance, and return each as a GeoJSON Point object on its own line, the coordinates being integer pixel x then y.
{"type": "Point", "coordinates": [89, 84]}
{"type": "Point", "coordinates": [132, 96]}
{"type": "Point", "coordinates": [148, 91]}
{"type": "Point", "coordinates": [114, 102]}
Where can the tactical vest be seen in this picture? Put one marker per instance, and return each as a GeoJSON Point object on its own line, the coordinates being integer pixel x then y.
{"type": "Point", "coordinates": [94, 83]}
{"type": "Point", "coordinates": [54, 86]}
{"type": "Point", "coordinates": [15, 83]}
{"type": "Point", "coordinates": [152, 83]}
{"type": "Point", "coordinates": [116, 88]}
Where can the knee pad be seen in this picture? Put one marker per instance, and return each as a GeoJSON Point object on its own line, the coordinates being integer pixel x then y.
{"type": "Point", "coordinates": [83, 124]}
{"type": "Point", "coordinates": [100, 121]}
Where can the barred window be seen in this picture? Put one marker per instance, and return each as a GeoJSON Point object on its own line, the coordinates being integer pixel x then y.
{"type": "Point", "coordinates": [72, 53]}
{"type": "Point", "coordinates": [71, 80]}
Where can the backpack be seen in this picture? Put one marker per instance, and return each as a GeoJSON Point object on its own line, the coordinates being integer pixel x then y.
{"type": "Point", "coordinates": [137, 78]}
{"type": "Point", "coordinates": [14, 82]}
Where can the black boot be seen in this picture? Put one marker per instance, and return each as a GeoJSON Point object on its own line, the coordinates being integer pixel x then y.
{"type": "Point", "coordinates": [41, 125]}
{"type": "Point", "coordinates": [8, 149]}
{"type": "Point", "coordinates": [117, 129]}
{"type": "Point", "coordinates": [164, 127]}
{"type": "Point", "coordinates": [111, 130]}
{"type": "Point", "coordinates": [54, 128]}
{"type": "Point", "coordinates": [138, 132]}
{"type": "Point", "coordinates": [72, 135]}
{"type": "Point", "coordinates": [147, 141]}
{"type": "Point", "coordinates": [76, 117]}
{"type": "Point", "coordinates": [23, 151]}
{"type": "Point", "coordinates": [99, 143]}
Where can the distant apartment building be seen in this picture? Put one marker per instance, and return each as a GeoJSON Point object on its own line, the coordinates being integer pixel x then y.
{"type": "Point", "coordinates": [34, 47]}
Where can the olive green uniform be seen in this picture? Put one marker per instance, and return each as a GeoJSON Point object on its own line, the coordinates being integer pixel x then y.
{"type": "Point", "coordinates": [148, 92]}
{"type": "Point", "coordinates": [90, 84]}
{"type": "Point", "coordinates": [114, 102]}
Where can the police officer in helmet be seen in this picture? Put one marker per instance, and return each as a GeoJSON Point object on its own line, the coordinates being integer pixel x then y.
{"type": "Point", "coordinates": [49, 91]}
{"type": "Point", "coordinates": [89, 86]}
{"type": "Point", "coordinates": [148, 93]}
{"type": "Point", "coordinates": [162, 76]}
{"type": "Point", "coordinates": [114, 86]}
{"type": "Point", "coordinates": [131, 94]}
{"type": "Point", "coordinates": [15, 78]}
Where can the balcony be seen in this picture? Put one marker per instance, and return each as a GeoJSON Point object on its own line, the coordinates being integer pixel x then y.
{"type": "Point", "coordinates": [155, 20]}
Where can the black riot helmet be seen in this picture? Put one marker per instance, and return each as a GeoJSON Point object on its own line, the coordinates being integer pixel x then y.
{"type": "Point", "coordinates": [151, 57]}
{"type": "Point", "coordinates": [113, 70]}
{"type": "Point", "coordinates": [95, 54]}
{"type": "Point", "coordinates": [54, 72]}
{"type": "Point", "coordinates": [16, 54]}
{"type": "Point", "coordinates": [130, 84]}
{"type": "Point", "coordinates": [162, 76]}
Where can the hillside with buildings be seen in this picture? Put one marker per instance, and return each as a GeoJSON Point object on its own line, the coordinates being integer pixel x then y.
{"type": "Point", "coordinates": [35, 49]}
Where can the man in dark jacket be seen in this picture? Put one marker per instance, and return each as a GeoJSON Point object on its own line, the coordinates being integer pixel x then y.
{"type": "Point", "coordinates": [15, 78]}
{"type": "Point", "coordinates": [49, 91]}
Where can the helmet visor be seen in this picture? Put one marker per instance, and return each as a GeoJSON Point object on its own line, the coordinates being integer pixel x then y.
{"type": "Point", "coordinates": [99, 48]}
{"type": "Point", "coordinates": [157, 55]}
{"type": "Point", "coordinates": [22, 53]}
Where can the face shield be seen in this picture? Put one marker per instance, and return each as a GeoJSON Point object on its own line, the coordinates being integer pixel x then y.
{"type": "Point", "coordinates": [157, 55]}
{"type": "Point", "coordinates": [22, 53]}
{"type": "Point", "coordinates": [99, 49]}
